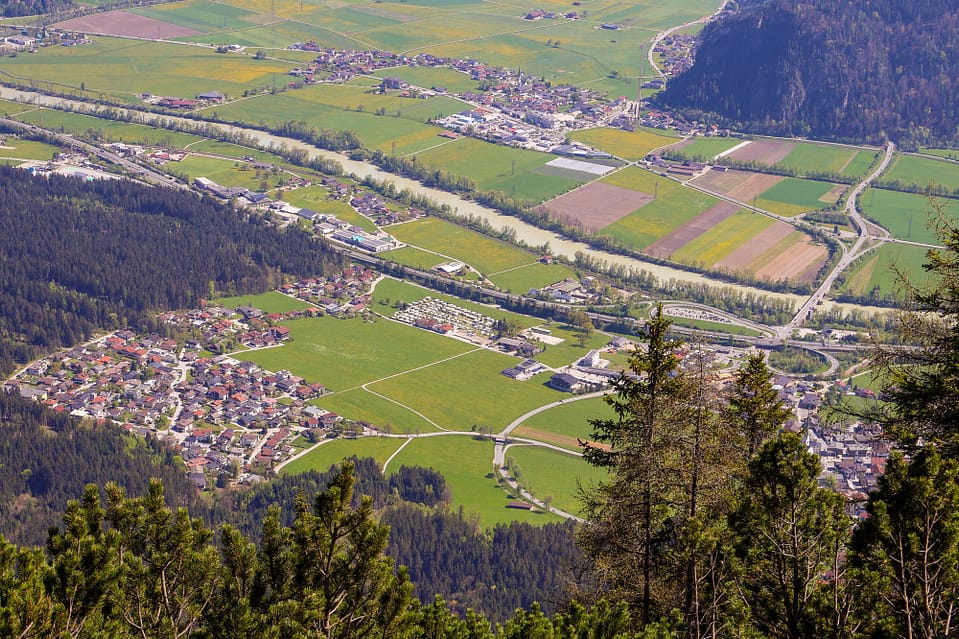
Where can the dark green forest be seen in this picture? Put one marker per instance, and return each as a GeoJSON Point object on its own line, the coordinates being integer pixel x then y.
{"type": "Point", "coordinates": [107, 254]}
{"type": "Point", "coordinates": [861, 71]}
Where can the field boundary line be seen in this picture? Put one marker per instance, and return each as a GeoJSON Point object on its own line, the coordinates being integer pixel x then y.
{"type": "Point", "coordinates": [402, 405]}
{"type": "Point", "coordinates": [396, 452]}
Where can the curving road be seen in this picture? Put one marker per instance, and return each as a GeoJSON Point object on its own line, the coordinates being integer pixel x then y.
{"type": "Point", "coordinates": [863, 229]}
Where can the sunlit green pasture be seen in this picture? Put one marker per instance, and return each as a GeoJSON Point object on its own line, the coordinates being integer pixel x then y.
{"type": "Point", "coordinates": [907, 216]}
{"type": "Point", "coordinates": [467, 465]}
{"type": "Point", "coordinates": [109, 130]}
{"type": "Point", "coordinates": [468, 390]}
{"type": "Point", "coordinates": [333, 451]}
{"type": "Point", "coordinates": [550, 474]}
{"type": "Point", "coordinates": [384, 414]}
{"type": "Point", "coordinates": [567, 423]}
{"type": "Point", "coordinates": [429, 77]}
{"type": "Point", "coordinates": [342, 354]}
{"type": "Point", "coordinates": [17, 149]}
{"type": "Point", "coordinates": [875, 275]}
{"type": "Point", "coordinates": [833, 158]}
{"type": "Point", "coordinates": [629, 145]}
{"type": "Point", "coordinates": [706, 149]}
{"type": "Point", "coordinates": [202, 15]}
{"type": "Point", "coordinates": [479, 251]}
{"type": "Point", "coordinates": [125, 68]}
{"type": "Point", "coordinates": [792, 196]}
{"type": "Point", "coordinates": [920, 171]}
{"type": "Point", "coordinates": [498, 168]}
{"type": "Point", "coordinates": [536, 275]}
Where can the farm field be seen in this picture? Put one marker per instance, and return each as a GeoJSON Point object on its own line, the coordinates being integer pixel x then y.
{"type": "Point", "coordinates": [467, 464]}
{"type": "Point", "coordinates": [792, 196]}
{"type": "Point", "coordinates": [9, 108]}
{"type": "Point", "coordinates": [920, 171]}
{"type": "Point", "coordinates": [806, 157]}
{"type": "Point", "coordinates": [874, 272]}
{"type": "Point", "coordinates": [498, 168]}
{"type": "Point", "coordinates": [333, 451]}
{"type": "Point", "coordinates": [414, 257]}
{"type": "Point", "coordinates": [949, 154]}
{"type": "Point", "coordinates": [354, 110]}
{"type": "Point", "coordinates": [704, 149]}
{"type": "Point", "coordinates": [428, 78]}
{"type": "Point", "coordinates": [385, 415]}
{"type": "Point", "coordinates": [342, 354]}
{"type": "Point", "coordinates": [203, 15]}
{"type": "Point", "coordinates": [565, 424]}
{"type": "Point", "coordinates": [485, 254]}
{"type": "Point", "coordinates": [550, 474]}
{"type": "Point", "coordinates": [674, 205]}
{"type": "Point", "coordinates": [629, 145]}
{"type": "Point", "coordinates": [523, 278]}
{"type": "Point", "coordinates": [723, 239]}
{"type": "Point", "coordinates": [468, 390]}
{"type": "Point", "coordinates": [125, 68]}
{"type": "Point", "coordinates": [111, 130]}
{"type": "Point", "coordinates": [271, 302]}
{"type": "Point", "coordinates": [809, 157]}
{"type": "Point", "coordinates": [18, 149]}
{"type": "Point", "coordinates": [905, 215]}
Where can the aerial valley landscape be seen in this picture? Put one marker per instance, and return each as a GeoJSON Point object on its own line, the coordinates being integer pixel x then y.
{"type": "Point", "coordinates": [479, 318]}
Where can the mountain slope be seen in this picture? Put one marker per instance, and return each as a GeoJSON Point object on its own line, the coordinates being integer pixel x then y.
{"type": "Point", "coordinates": [828, 68]}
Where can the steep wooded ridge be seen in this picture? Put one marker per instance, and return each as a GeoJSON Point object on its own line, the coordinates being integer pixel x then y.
{"type": "Point", "coordinates": [17, 8]}
{"type": "Point", "coordinates": [830, 69]}
{"type": "Point", "coordinates": [88, 256]}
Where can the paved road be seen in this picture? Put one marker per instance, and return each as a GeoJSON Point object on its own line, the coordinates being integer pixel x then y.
{"type": "Point", "coordinates": [864, 230]}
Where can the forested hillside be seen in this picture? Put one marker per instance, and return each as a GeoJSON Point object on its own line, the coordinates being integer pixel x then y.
{"type": "Point", "coordinates": [17, 8]}
{"type": "Point", "coordinates": [81, 256]}
{"type": "Point", "coordinates": [831, 69]}
{"type": "Point", "coordinates": [47, 458]}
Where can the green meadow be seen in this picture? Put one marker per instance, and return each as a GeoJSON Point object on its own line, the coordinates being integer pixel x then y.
{"type": "Point", "coordinates": [125, 68]}
{"type": "Point", "coordinates": [202, 15]}
{"type": "Point", "coordinates": [498, 168]}
{"type": "Point", "coordinates": [846, 160]}
{"type": "Point", "coordinates": [483, 253]}
{"type": "Point", "coordinates": [467, 464]}
{"type": "Point", "coordinates": [109, 130]}
{"type": "Point", "coordinates": [792, 196]}
{"type": "Point", "coordinates": [9, 108]}
{"type": "Point", "coordinates": [550, 474]}
{"type": "Point", "coordinates": [707, 148]}
{"type": "Point", "coordinates": [949, 154]}
{"type": "Point", "coordinates": [920, 171]}
{"type": "Point", "coordinates": [567, 423]}
{"type": "Point", "coordinates": [629, 145]}
{"type": "Point", "coordinates": [315, 198]}
{"type": "Point", "coordinates": [225, 172]}
{"type": "Point", "coordinates": [905, 215]}
{"type": "Point", "coordinates": [342, 354]}
{"type": "Point", "coordinates": [271, 302]}
{"type": "Point", "coordinates": [674, 206]}
{"type": "Point", "coordinates": [536, 275]}
{"type": "Point", "coordinates": [27, 150]}
{"type": "Point", "coordinates": [384, 414]}
{"type": "Point", "coordinates": [468, 390]}
{"type": "Point", "coordinates": [413, 257]}
{"type": "Point", "coordinates": [875, 271]}
{"type": "Point", "coordinates": [334, 451]}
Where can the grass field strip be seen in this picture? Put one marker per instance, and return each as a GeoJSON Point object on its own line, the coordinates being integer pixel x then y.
{"type": "Point", "coordinates": [402, 405]}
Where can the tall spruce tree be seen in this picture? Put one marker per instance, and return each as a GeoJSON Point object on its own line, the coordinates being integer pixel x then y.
{"type": "Point", "coordinates": [632, 517]}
